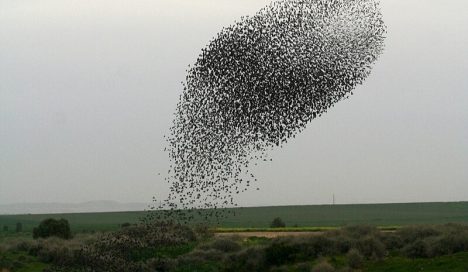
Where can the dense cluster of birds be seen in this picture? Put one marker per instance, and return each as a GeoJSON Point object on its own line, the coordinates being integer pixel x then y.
{"type": "Point", "coordinates": [257, 84]}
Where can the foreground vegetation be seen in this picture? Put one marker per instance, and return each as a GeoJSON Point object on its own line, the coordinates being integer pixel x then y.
{"type": "Point", "coordinates": [397, 237]}
{"type": "Point", "coordinates": [172, 247]}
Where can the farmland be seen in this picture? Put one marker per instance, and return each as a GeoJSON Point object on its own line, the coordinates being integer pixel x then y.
{"type": "Point", "coordinates": [260, 217]}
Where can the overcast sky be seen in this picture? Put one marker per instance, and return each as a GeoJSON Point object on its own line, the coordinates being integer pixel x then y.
{"type": "Point", "coordinates": [88, 89]}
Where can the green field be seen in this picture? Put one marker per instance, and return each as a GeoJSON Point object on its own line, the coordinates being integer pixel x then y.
{"type": "Point", "coordinates": [260, 217]}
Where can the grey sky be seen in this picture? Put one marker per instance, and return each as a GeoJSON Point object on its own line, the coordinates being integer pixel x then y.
{"type": "Point", "coordinates": [88, 89]}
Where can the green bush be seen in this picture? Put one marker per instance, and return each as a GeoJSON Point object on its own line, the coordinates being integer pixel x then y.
{"type": "Point", "coordinates": [25, 245]}
{"type": "Point", "coordinates": [225, 245]}
{"type": "Point", "coordinates": [414, 233]}
{"type": "Point", "coordinates": [288, 250]}
{"type": "Point", "coordinates": [279, 269]}
{"type": "Point", "coordinates": [432, 241]}
{"type": "Point", "coordinates": [316, 246]}
{"type": "Point", "coordinates": [19, 227]}
{"type": "Point", "coordinates": [417, 249]}
{"type": "Point", "coordinates": [203, 231]}
{"type": "Point", "coordinates": [371, 247]}
{"type": "Point", "coordinates": [358, 231]}
{"type": "Point", "coordinates": [323, 266]}
{"type": "Point", "coordinates": [52, 227]}
{"type": "Point", "coordinates": [249, 259]}
{"type": "Point", "coordinates": [355, 259]}
{"type": "Point", "coordinates": [448, 244]}
{"type": "Point", "coordinates": [130, 248]}
{"type": "Point", "coordinates": [277, 223]}
{"type": "Point", "coordinates": [203, 256]}
{"type": "Point", "coordinates": [125, 225]}
{"type": "Point", "coordinates": [302, 267]}
{"type": "Point", "coordinates": [392, 241]}
{"type": "Point", "coordinates": [17, 265]}
{"type": "Point", "coordinates": [160, 264]}
{"type": "Point", "coordinates": [281, 252]}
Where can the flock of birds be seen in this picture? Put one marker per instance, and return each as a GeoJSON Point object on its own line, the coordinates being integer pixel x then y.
{"type": "Point", "coordinates": [257, 84]}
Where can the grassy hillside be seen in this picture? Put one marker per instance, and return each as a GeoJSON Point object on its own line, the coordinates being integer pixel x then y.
{"type": "Point", "coordinates": [310, 215]}
{"type": "Point", "coordinates": [339, 215]}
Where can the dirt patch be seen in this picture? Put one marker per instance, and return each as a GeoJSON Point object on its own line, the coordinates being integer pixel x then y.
{"type": "Point", "coordinates": [269, 234]}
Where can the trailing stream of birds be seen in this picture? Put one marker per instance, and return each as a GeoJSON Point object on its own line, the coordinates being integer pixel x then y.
{"type": "Point", "coordinates": [257, 84]}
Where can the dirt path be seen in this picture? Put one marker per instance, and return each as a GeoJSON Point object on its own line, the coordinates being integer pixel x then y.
{"type": "Point", "coordinates": [274, 234]}
{"type": "Point", "coordinates": [269, 234]}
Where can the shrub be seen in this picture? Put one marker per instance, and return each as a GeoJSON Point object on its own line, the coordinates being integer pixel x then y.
{"type": "Point", "coordinates": [158, 264]}
{"type": "Point", "coordinates": [125, 225]}
{"type": "Point", "coordinates": [279, 269]}
{"type": "Point", "coordinates": [355, 259]}
{"type": "Point", "coordinates": [16, 265]}
{"type": "Point", "coordinates": [5, 228]}
{"type": "Point", "coordinates": [359, 231]}
{"type": "Point", "coordinates": [59, 255]}
{"type": "Point", "coordinates": [280, 252]}
{"type": "Point", "coordinates": [130, 248]}
{"type": "Point", "coordinates": [302, 267]}
{"type": "Point", "coordinates": [342, 244]}
{"type": "Point", "coordinates": [203, 231]}
{"type": "Point", "coordinates": [19, 227]}
{"type": "Point", "coordinates": [201, 256]}
{"type": "Point", "coordinates": [319, 246]}
{"type": "Point", "coordinates": [417, 249]}
{"type": "Point", "coordinates": [414, 233]}
{"type": "Point", "coordinates": [323, 266]}
{"type": "Point", "coordinates": [250, 259]}
{"type": "Point", "coordinates": [52, 227]}
{"type": "Point", "coordinates": [52, 250]}
{"type": "Point", "coordinates": [225, 245]}
{"type": "Point", "coordinates": [277, 223]}
{"type": "Point", "coordinates": [448, 244]}
{"type": "Point", "coordinates": [24, 245]}
{"type": "Point", "coordinates": [392, 241]}
{"type": "Point", "coordinates": [286, 250]}
{"type": "Point", "coordinates": [371, 247]}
